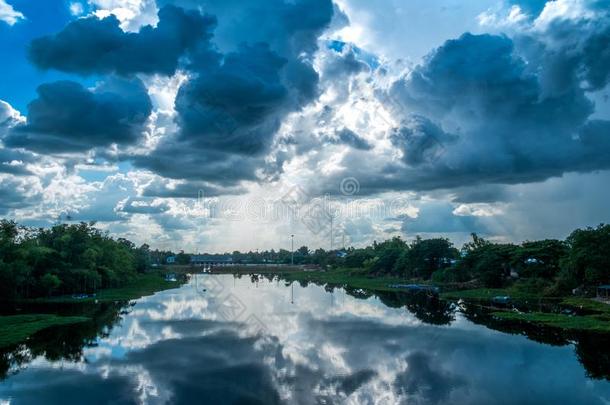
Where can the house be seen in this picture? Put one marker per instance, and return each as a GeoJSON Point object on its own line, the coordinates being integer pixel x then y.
{"type": "Point", "coordinates": [170, 260]}
{"type": "Point", "coordinates": [211, 260]}
{"type": "Point", "coordinates": [603, 292]}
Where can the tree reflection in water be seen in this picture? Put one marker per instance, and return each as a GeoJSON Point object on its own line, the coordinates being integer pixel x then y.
{"type": "Point", "coordinates": [66, 343]}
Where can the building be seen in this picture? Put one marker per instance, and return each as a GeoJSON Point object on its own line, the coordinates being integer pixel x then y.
{"type": "Point", "coordinates": [211, 260]}
{"type": "Point", "coordinates": [603, 292]}
{"type": "Point", "coordinates": [170, 260]}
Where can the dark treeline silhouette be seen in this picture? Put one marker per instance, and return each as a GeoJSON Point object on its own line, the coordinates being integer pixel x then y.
{"type": "Point", "coordinates": [64, 259]}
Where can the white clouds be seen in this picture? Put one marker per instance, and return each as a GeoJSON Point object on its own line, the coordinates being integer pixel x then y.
{"type": "Point", "coordinates": [17, 192]}
{"type": "Point", "coordinates": [8, 14]}
{"type": "Point", "coordinates": [76, 9]}
{"type": "Point", "coordinates": [132, 14]}
{"type": "Point", "coordinates": [311, 149]}
{"type": "Point", "coordinates": [494, 19]}
{"type": "Point", "coordinates": [559, 10]}
{"type": "Point", "coordinates": [9, 117]}
{"type": "Point", "coordinates": [407, 29]}
{"type": "Point", "coordinates": [477, 210]}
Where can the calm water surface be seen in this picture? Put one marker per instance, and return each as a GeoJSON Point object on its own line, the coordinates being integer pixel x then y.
{"type": "Point", "coordinates": [220, 339]}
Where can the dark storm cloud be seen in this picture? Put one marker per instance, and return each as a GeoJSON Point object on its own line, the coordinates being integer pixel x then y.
{"type": "Point", "coordinates": [420, 140]}
{"type": "Point", "coordinates": [59, 388]}
{"type": "Point", "coordinates": [222, 368]}
{"type": "Point", "coordinates": [93, 46]}
{"type": "Point", "coordinates": [182, 161]}
{"type": "Point", "coordinates": [422, 383]}
{"type": "Point", "coordinates": [483, 194]}
{"type": "Point", "coordinates": [346, 136]}
{"type": "Point", "coordinates": [240, 88]}
{"type": "Point", "coordinates": [66, 117]}
{"type": "Point", "coordinates": [487, 110]}
{"type": "Point", "coordinates": [190, 189]}
{"type": "Point", "coordinates": [480, 111]}
{"type": "Point", "coordinates": [232, 106]}
{"type": "Point", "coordinates": [288, 26]}
{"type": "Point", "coordinates": [15, 161]}
{"type": "Point", "coordinates": [596, 59]}
{"type": "Point", "coordinates": [345, 60]}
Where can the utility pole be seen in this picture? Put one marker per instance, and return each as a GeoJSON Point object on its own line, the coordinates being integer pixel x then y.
{"type": "Point", "coordinates": [331, 232]}
{"type": "Point", "coordinates": [292, 248]}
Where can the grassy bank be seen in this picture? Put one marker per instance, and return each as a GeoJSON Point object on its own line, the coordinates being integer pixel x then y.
{"type": "Point", "coordinates": [592, 315]}
{"type": "Point", "coordinates": [488, 293]}
{"type": "Point", "coordinates": [142, 285]}
{"type": "Point", "coordinates": [587, 304]}
{"type": "Point", "coordinates": [17, 328]}
{"type": "Point", "coordinates": [355, 278]}
{"type": "Point", "coordinates": [587, 314]}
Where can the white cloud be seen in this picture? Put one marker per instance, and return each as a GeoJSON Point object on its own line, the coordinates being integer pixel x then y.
{"type": "Point", "coordinates": [132, 14]}
{"type": "Point", "coordinates": [512, 18]}
{"type": "Point", "coordinates": [559, 10]}
{"type": "Point", "coordinates": [477, 210]}
{"type": "Point", "coordinates": [9, 117]}
{"type": "Point", "coordinates": [8, 14]}
{"type": "Point", "coordinates": [76, 8]}
{"type": "Point", "coordinates": [407, 29]}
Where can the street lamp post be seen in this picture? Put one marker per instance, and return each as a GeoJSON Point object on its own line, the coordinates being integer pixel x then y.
{"type": "Point", "coordinates": [292, 248]}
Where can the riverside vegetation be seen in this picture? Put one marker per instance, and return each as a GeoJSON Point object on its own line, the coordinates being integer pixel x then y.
{"type": "Point", "coordinates": [51, 265]}
{"type": "Point", "coordinates": [547, 270]}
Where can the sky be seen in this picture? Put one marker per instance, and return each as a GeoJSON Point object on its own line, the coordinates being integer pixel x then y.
{"type": "Point", "coordinates": [221, 125]}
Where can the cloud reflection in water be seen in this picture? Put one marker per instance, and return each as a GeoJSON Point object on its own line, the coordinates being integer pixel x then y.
{"type": "Point", "coordinates": [174, 347]}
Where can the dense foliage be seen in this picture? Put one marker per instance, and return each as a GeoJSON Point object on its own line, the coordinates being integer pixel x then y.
{"type": "Point", "coordinates": [64, 259]}
{"type": "Point", "coordinates": [550, 266]}
{"type": "Point", "coordinates": [79, 258]}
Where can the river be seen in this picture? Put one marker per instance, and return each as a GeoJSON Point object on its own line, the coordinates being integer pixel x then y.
{"type": "Point", "coordinates": [222, 339]}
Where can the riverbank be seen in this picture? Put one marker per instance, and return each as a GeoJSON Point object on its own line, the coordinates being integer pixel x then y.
{"type": "Point", "coordinates": [14, 329]}
{"type": "Point", "coordinates": [141, 286]}
{"type": "Point", "coordinates": [354, 278]}
{"type": "Point", "coordinates": [569, 313]}
{"type": "Point", "coordinates": [17, 328]}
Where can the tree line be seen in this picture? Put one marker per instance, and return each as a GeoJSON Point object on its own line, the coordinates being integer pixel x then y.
{"type": "Point", "coordinates": [64, 259]}
{"type": "Point", "coordinates": [79, 258]}
{"type": "Point", "coordinates": [547, 266]}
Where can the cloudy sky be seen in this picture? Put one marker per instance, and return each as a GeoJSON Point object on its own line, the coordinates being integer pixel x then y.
{"type": "Point", "coordinates": [214, 125]}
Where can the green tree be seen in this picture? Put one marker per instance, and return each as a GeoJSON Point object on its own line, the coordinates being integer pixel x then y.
{"type": "Point", "coordinates": [183, 258]}
{"type": "Point", "coordinates": [540, 259]}
{"type": "Point", "coordinates": [425, 256]}
{"type": "Point", "coordinates": [387, 254]}
{"type": "Point", "coordinates": [488, 262]}
{"type": "Point", "coordinates": [587, 261]}
{"type": "Point", "coordinates": [49, 283]}
{"type": "Point", "coordinates": [357, 257]}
